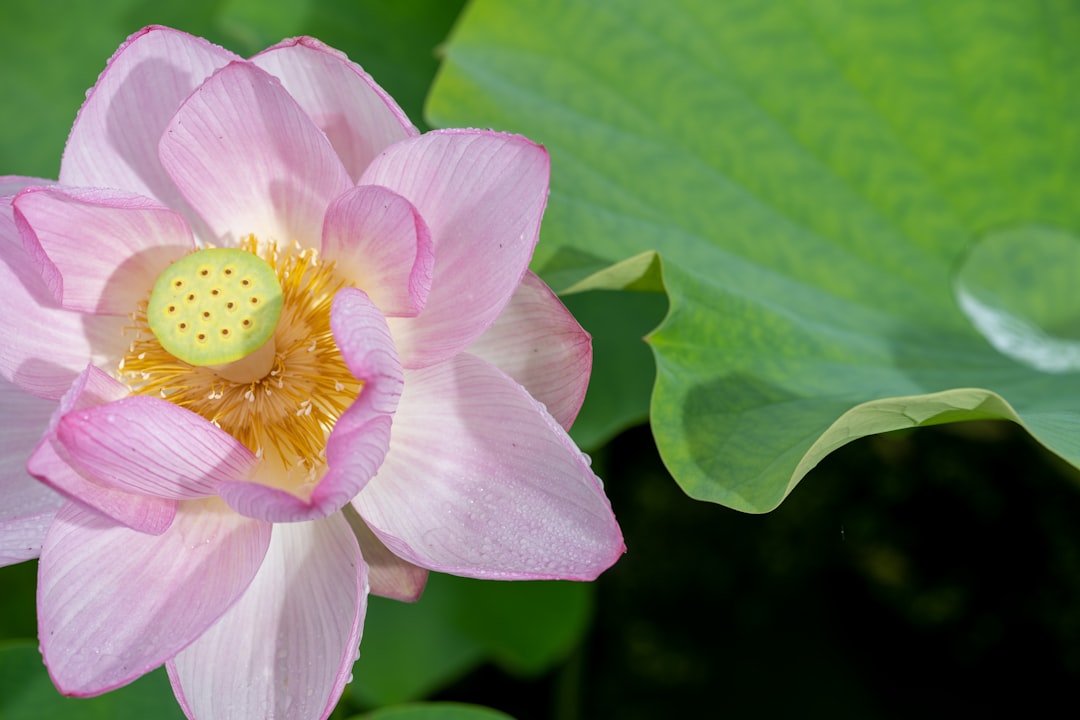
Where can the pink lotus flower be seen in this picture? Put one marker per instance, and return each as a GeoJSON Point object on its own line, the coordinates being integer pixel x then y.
{"type": "Point", "coordinates": [235, 444]}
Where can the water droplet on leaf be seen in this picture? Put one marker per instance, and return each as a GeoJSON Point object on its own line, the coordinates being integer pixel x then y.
{"type": "Point", "coordinates": [1017, 287]}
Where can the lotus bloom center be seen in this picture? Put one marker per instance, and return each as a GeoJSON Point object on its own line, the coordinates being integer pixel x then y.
{"type": "Point", "coordinates": [242, 337]}
{"type": "Point", "coordinates": [215, 306]}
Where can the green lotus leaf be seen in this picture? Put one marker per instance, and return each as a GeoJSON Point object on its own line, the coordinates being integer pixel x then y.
{"type": "Point", "coordinates": [865, 213]}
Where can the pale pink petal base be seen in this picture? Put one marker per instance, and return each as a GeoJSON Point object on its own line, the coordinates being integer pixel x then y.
{"type": "Point", "coordinates": [538, 342]}
{"type": "Point", "coordinates": [28, 505]}
{"type": "Point", "coordinates": [481, 481]}
{"type": "Point", "coordinates": [287, 648]}
{"type": "Point", "coordinates": [390, 576]}
{"type": "Point", "coordinates": [106, 617]}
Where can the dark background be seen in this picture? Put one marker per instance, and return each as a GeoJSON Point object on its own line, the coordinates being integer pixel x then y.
{"type": "Point", "coordinates": [932, 573]}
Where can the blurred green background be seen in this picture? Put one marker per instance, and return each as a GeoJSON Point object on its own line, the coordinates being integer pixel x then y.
{"type": "Point", "coordinates": [934, 571]}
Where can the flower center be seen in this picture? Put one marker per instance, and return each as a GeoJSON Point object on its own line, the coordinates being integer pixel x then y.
{"type": "Point", "coordinates": [215, 306]}
{"type": "Point", "coordinates": [278, 383]}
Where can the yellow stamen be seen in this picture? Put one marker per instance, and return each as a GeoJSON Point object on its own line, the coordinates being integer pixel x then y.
{"type": "Point", "coordinates": [285, 413]}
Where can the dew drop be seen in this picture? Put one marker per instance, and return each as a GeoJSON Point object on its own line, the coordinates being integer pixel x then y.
{"type": "Point", "coordinates": [1017, 287]}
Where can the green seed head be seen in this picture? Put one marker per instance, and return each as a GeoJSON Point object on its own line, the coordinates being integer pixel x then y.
{"type": "Point", "coordinates": [215, 306]}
